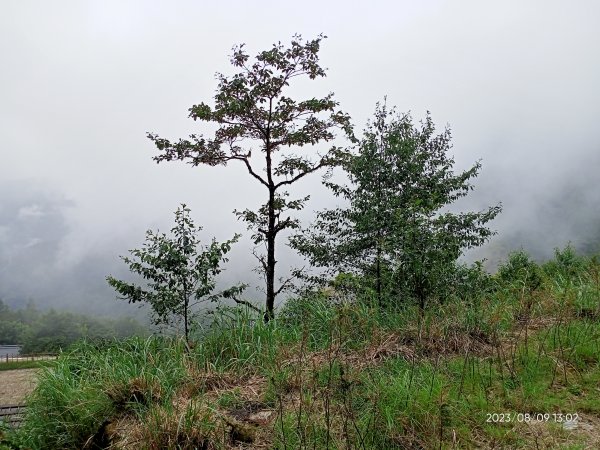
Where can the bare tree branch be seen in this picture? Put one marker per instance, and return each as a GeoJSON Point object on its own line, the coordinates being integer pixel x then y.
{"type": "Point", "coordinates": [246, 303]}
{"type": "Point", "coordinates": [250, 169]}
{"type": "Point", "coordinates": [287, 282]}
{"type": "Point", "coordinates": [302, 174]}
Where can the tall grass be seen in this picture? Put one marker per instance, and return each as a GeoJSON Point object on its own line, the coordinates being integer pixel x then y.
{"type": "Point", "coordinates": [347, 375]}
{"type": "Point", "coordinates": [92, 383]}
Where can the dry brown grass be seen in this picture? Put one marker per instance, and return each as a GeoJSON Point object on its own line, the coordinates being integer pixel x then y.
{"type": "Point", "coordinates": [137, 390]}
{"type": "Point", "coordinates": [191, 425]}
{"type": "Point", "coordinates": [193, 418]}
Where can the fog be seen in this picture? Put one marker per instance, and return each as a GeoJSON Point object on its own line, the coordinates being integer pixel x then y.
{"type": "Point", "coordinates": [82, 82]}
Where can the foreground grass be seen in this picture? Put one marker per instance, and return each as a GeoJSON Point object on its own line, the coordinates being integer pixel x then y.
{"type": "Point", "coordinates": [507, 369]}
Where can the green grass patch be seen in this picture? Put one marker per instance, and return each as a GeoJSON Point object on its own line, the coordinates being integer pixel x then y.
{"type": "Point", "coordinates": [351, 375]}
{"type": "Point", "coordinates": [13, 365]}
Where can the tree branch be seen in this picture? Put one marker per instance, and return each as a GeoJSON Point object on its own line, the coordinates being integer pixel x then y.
{"type": "Point", "coordinates": [302, 174]}
{"type": "Point", "coordinates": [246, 303]}
{"type": "Point", "coordinates": [250, 170]}
{"type": "Point", "coordinates": [261, 259]}
{"type": "Point", "coordinates": [283, 224]}
{"type": "Point", "coordinates": [285, 283]}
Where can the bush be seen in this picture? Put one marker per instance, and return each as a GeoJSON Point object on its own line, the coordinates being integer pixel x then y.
{"type": "Point", "coordinates": [520, 272]}
{"type": "Point", "coordinates": [566, 264]}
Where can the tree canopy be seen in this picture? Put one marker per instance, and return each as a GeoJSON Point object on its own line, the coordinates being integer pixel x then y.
{"type": "Point", "coordinates": [396, 230]}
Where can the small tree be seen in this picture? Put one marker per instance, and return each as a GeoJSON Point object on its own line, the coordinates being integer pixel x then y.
{"type": "Point", "coordinates": [395, 231]}
{"type": "Point", "coordinates": [253, 112]}
{"type": "Point", "coordinates": [179, 272]}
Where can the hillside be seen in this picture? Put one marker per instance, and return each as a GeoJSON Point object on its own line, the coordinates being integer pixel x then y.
{"type": "Point", "coordinates": [516, 366]}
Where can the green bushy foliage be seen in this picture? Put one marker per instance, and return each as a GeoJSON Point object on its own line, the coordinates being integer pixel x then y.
{"type": "Point", "coordinates": [178, 272]}
{"type": "Point", "coordinates": [520, 271]}
{"type": "Point", "coordinates": [566, 264]}
{"type": "Point", "coordinates": [397, 232]}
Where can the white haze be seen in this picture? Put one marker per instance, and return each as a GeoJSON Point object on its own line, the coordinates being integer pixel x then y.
{"type": "Point", "coordinates": [83, 81]}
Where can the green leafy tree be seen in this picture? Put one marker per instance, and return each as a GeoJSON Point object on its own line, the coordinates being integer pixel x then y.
{"type": "Point", "coordinates": [179, 272]}
{"type": "Point", "coordinates": [396, 230]}
{"type": "Point", "coordinates": [53, 331]}
{"type": "Point", "coordinates": [12, 330]}
{"type": "Point", "coordinates": [258, 120]}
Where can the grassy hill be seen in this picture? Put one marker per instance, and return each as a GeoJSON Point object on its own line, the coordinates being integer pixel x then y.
{"type": "Point", "coordinates": [515, 365]}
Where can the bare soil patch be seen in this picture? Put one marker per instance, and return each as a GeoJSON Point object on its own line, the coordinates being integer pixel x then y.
{"type": "Point", "coordinates": [16, 384]}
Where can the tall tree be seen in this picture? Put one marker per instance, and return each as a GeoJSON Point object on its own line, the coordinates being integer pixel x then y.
{"type": "Point", "coordinates": [396, 230]}
{"type": "Point", "coordinates": [179, 272]}
{"type": "Point", "coordinates": [254, 112]}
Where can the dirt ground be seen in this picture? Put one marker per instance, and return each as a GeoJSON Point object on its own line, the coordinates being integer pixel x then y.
{"type": "Point", "coordinates": [15, 385]}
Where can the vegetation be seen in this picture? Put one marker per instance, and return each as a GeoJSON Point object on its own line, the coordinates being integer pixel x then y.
{"type": "Point", "coordinates": [49, 331]}
{"type": "Point", "coordinates": [14, 365]}
{"type": "Point", "coordinates": [179, 272]}
{"type": "Point", "coordinates": [396, 232]}
{"type": "Point", "coordinates": [253, 108]}
{"type": "Point", "coordinates": [448, 356]}
{"type": "Point", "coordinates": [507, 368]}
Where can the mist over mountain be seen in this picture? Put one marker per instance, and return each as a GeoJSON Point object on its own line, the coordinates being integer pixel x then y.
{"type": "Point", "coordinates": [83, 82]}
{"type": "Point", "coordinates": [34, 262]}
{"type": "Point", "coordinates": [35, 232]}
{"type": "Point", "coordinates": [544, 207]}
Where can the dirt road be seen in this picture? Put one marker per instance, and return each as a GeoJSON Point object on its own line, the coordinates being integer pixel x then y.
{"type": "Point", "coordinates": [15, 385]}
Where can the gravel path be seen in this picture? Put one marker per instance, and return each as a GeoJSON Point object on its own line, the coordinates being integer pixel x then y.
{"type": "Point", "coordinates": [15, 385]}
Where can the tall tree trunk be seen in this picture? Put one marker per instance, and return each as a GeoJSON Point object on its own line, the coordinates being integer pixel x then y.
{"type": "Point", "coordinates": [379, 299]}
{"type": "Point", "coordinates": [186, 321]}
{"type": "Point", "coordinates": [381, 156]}
{"type": "Point", "coordinates": [270, 269]}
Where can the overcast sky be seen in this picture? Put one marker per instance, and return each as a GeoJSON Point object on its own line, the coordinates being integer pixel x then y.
{"type": "Point", "coordinates": [83, 81]}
